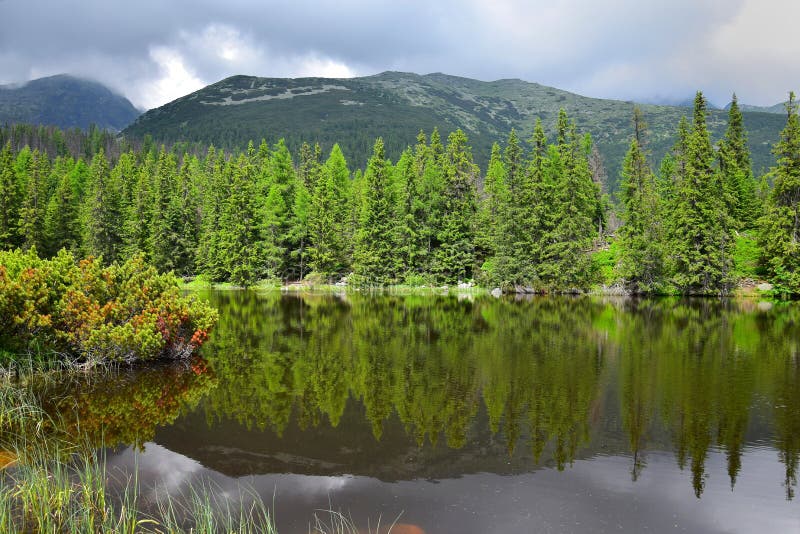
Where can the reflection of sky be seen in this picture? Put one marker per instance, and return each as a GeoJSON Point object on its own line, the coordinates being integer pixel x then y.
{"type": "Point", "coordinates": [595, 495]}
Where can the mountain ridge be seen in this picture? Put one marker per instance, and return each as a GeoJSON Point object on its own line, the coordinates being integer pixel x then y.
{"type": "Point", "coordinates": [65, 101]}
{"type": "Point", "coordinates": [397, 105]}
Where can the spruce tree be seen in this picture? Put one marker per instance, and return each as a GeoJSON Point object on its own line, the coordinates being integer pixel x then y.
{"type": "Point", "coordinates": [182, 215]}
{"type": "Point", "coordinates": [102, 212]}
{"type": "Point", "coordinates": [455, 257]}
{"type": "Point", "coordinates": [428, 164]}
{"type": "Point", "coordinates": [410, 214]}
{"type": "Point", "coordinates": [375, 244]}
{"type": "Point", "coordinates": [700, 226]}
{"type": "Point", "coordinates": [10, 199]}
{"type": "Point", "coordinates": [210, 254]}
{"type": "Point", "coordinates": [138, 213]}
{"type": "Point", "coordinates": [239, 226]}
{"type": "Point", "coordinates": [640, 237]}
{"type": "Point", "coordinates": [566, 258]}
{"type": "Point", "coordinates": [62, 228]}
{"type": "Point", "coordinates": [491, 216]}
{"type": "Point", "coordinates": [325, 248]}
{"type": "Point", "coordinates": [780, 225]}
{"type": "Point", "coordinates": [737, 172]}
{"type": "Point", "coordinates": [163, 228]}
{"type": "Point", "coordinates": [34, 204]}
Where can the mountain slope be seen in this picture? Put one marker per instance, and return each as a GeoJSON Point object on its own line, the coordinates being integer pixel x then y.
{"type": "Point", "coordinates": [66, 102]}
{"type": "Point", "coordinates": [397, 105]}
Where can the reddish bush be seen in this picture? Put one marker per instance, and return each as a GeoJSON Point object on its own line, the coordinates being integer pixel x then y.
{"type": "Point", "coordinates": [124, 312]}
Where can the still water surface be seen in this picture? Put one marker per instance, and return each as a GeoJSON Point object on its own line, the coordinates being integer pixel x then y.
{"type": "Point", "coordinates": [474, 415]}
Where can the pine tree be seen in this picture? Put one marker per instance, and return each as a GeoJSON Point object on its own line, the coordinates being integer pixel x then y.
{"type": "Point", "coordinates": [62, 228]}
{"type": "Point", "coordinates": [163, 229]}
{"type": "Point", "coordinates": [375, 245]}
{"type": "Point", "coordinates": [102, 212]}
{"type": "Point", "coordinates": [455, 257]}
{"type": "Point", "coordinates": [182, 214]}
{"type": "Point", "coordinates": [328, 217]}
{"type": "Point", "coordinates": [34, 204]}
{"type": "Point", "coordinates": [780, 225]}
{"type": "Point", "coordinates": [210, 253]}
{"type": "Point", "coordinates": [640, 237]}
{"type": "Point", "coordinates": [10, 200]}
{"type": "Point", "coordinates": [239, 225]}
{"type": "Point", "coordinates": [409, 215]}
{"type": "Point", "coordinates": [701, 241]}
{"type": "Point", "coordinates": [430, 177]}
{"type": "Point", "coordinates": [566, 260]}
{"type": "Point", "coordinates": [284, 235]}
{"type": "Point", "coordinates": [324, 249]}
{"type": "Point", "coordinates": [336, 165]}
{"type": "Point", "coordinates": [490, 216]}
{"type": "Point", "coordinates": [138, 213]}
{"type": "Point", "coordinates": [737, 172]}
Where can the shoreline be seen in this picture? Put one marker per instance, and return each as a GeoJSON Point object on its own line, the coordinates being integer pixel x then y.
{"type": "Point", "coordinates": [741, 291]}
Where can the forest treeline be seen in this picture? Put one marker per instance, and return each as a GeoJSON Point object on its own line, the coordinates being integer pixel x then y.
{"type": "Point", "coordinates": [537, 218]}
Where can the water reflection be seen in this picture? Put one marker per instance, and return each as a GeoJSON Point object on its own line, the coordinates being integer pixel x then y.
{"type": "Point", "coordinates": [404, 388]}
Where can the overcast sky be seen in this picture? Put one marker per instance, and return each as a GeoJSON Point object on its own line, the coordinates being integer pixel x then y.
{"type": "Point", "coordinates": [153, 51]}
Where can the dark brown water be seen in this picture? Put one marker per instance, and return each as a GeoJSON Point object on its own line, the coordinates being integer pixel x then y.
{"type": "Point", "coordinates": [473, 416]}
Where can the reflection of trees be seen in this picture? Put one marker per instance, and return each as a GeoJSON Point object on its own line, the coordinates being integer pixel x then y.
{"type": "Point", "coordinates": [121, 407]}
{"type": "Point", "coordinates": [539, 366]}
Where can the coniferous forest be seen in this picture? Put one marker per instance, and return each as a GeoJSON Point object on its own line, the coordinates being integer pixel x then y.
{"type": "Point", "coordinates": [538, 218]}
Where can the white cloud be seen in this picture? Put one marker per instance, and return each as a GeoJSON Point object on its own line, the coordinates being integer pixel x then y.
{"type": "Point", "coordinates": [175, 79]}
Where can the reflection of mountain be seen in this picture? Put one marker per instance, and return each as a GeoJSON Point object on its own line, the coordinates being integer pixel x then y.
{"type": "Point", "coordinates": [431, 387]}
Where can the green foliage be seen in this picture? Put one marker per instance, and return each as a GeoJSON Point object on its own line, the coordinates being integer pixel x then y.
{"type": "Point", "coordinates": [780, 225]}
{"type": "Point", "coordinates": [124, 312]}
{"type": "Point", "coordinates": [353, 112]}
{"type": "Point", "coordinates": [375, 243]}
{"type": "Point", "coordinates": [701, 241]}
{"type": "Point", "coordinates": [747, 257]}
{"type": "Point", "coordinates": [535, 222]}
{"type": "Point", "coordinates": [641, 263]}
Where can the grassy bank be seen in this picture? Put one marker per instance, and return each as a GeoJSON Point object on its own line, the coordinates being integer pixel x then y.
{"type": "Point", "coordinates": [53, 481]}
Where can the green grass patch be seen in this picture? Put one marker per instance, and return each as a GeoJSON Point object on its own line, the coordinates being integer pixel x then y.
{"type": "Point", "coordinates": [746, 257]}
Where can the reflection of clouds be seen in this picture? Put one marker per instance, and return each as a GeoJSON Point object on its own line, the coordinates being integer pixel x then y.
{"type": "Point", "coordinates": [756, 504]}
{"type": "Point", "coordinates": [161, 469]}
{"type": "Point", "coordinates": [592, 496]}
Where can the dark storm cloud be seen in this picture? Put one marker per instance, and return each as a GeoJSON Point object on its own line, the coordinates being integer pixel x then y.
{"type": "Point", "coordinates": [153, 51]}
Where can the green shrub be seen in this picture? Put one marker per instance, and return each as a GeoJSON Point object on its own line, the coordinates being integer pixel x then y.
{"type": "Point", "coordinates": [120, 313]}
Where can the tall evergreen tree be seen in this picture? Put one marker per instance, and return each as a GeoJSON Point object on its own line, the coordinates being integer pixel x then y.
{"type": "Point", "coordinates": [640, 237]}
{"type": "Point", "coordinates": [163, 228]}
{"type": "Point", "coordinates": [455, 257]}
{"type": "Point", "coordinates": [325, 247]}
{"type": "Point", "coordinates": [490, 216]}
{"type": "Point", "coordinates": [210, 254]}
{"type": "Point", "coordinates": [34, 204]}
{"type": "Point", "coordinates": [700, 226]}
{"type": "Point", "coordinates": [375, 244]}
{"type": "Point", "coordinates": [780, 225]}
{"type": "Point", "coordinates": [138, 211]}
{"type": "Point", "coordinates": [239, 225]}
{"type": "Point", "coordinates": [102, 211]}
{"type": "Point", "coordinates": [737, 172]}
{"type": "Point", "coordinates": [182, 214]}
{"type": "Point", "coordinates": [62, 227]}
{"type": "Point", "coordinates": [10, 199]}
{"type": "Point", "coordinates": [328, 217]}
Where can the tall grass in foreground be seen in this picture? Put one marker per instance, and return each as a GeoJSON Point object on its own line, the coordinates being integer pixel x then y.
{"type": "Point", "coordinates": [51, 484]}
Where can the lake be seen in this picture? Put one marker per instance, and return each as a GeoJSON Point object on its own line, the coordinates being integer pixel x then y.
{"type": "Point", "coordinates": [470, 414]}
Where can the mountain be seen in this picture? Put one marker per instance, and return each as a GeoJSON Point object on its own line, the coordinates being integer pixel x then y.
{"type": "Point", "coordinates": [66, 102]}
{"type": "Point", "coordinates": [779, 108]}
{"type": "Point", "coordinates": [396, 105]}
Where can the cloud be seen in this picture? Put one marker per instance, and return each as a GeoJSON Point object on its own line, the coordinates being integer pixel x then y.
{"type": "Point", "coordinates": [153, 51]}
